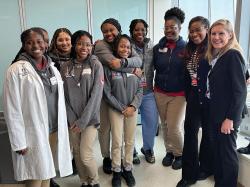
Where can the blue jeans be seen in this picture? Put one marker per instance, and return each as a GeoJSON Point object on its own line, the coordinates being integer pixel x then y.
{"type": "Point", "coordinates": [149, 120]}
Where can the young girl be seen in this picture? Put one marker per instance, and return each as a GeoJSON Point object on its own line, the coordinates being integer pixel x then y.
{"type": "Point", "coordinates": [111, 29]}
{"type": "Point", "coordinates": [149, 115]}
{"type": "Point", "coordinates": [123, 93]}
{"type": "Point", "coordinates": [34, 107]}
{"type": "Point", "coordinates": [169, 86]}
{"type": "Point", "coordinates": [60, 47]}
{"type": "Point", "coordinates": [196, 165]}
{"type": "Point", "coordinates": [83, 83]}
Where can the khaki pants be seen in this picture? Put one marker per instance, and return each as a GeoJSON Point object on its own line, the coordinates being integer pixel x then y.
{"type": "Point", "coordinates": [104, 130]}
{"type": "Point", "coordinates": [53, 146]}
{"type": "Point", "coordinates": [122, 127]}
{"type": "Point", "coordinates": [37, 183]}
{"type": "Point", "coordinates": [172, 113]}
{"type": "Point", "coordinates": [83, 153]}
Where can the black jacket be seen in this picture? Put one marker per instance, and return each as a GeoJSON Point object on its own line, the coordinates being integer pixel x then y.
{"type": "Point", "coordinates": [227, 86]}
{"type": "Point", "coordinates": [169, 66]}
{"type": "Point", "coordinates": [202, 71]}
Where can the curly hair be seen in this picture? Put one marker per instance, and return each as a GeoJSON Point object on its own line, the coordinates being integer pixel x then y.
{"type": "Point", "coordinates": [175, 13]}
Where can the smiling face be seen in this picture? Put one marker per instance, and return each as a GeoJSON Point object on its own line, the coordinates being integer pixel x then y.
{"type": "Point", "coordinates": [139, 32]}
{"type": "Point", "coordinates": [35, 46]}
{"type": "Point", "coordinates": [197, 32]}
{"type": "Point", "coordinates": [109, 32]}
{"type": "Point", "coordinates": [63, 43]}
{"type": "Point", "coordinates": [171, 30]}
{"type": "Point", "coordinates": [124, 48]}
{"type": "Point", "coordinates": [83, 48]}
{"type": "Point", "coordinates": [219, 37]}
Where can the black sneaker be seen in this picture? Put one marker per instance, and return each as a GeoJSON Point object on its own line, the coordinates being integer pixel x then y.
{"type": "Point", "coordinates": [107, 165]}
{"type": "Point", "coordinates": [85, 185]}
{"type": "Point", "coordinates": [177, 164]}
{"type": "Point", "coordinates": [136, 159]}
{"type": "Point", "coordinates": [53, 183]}
{"type": "Point", "coordinates": [168, 159]}
{"type": "Point", "coordinates": [95, 185]}
{"type": "Point", "coordinates": [116, 180]}
{"type": "Point", "coordinates": [129, 178]}
{"type": "Point", "coordinates": [149, 155]}
{"type": "Point", "coordinates": [185, 183]}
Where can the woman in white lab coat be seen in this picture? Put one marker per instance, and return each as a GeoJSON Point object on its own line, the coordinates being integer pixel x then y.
{"type": "Point", "coordinates": [33, 103]}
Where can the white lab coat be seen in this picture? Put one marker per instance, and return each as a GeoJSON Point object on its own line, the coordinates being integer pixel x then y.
{"type": "Point", "coordinates": [26, 115]}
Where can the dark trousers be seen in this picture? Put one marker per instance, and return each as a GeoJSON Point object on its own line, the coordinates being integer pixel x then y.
{"type": "Point", "coordinates": [226, 159]}
{"type": "Point", "coordinates": [194, 161]}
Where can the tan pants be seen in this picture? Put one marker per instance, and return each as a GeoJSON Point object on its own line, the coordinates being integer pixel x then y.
{"type": "Point", "coordinates": [37, 183]}
{"type": "Point", "coordinates": [104, 130]}
{"type": "Point", "coordinates": [122, 128]}
{"type": "Point", "coordinates": [172, 113]}
{"type": "Point", "coordinates": [53, 146]}
{"type": "Point", "coordinates": [84, 157]}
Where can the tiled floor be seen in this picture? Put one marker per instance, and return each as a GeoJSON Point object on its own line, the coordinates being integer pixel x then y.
{"type": "Point", "coordinates": [147, 175]}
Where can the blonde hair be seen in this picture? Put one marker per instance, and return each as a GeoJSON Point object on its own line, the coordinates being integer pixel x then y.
{"type": "Point", "coordinates": [232, 43]}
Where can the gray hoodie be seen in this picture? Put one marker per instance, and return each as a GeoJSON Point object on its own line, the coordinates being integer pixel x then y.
{"type": "Point", "coordinates": [83, 85]}
{"type": "Point", "coordinates": [122, 89]}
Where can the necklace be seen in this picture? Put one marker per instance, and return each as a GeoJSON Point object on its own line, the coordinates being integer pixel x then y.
{"type": "Point", "coordinates": [76, 67]}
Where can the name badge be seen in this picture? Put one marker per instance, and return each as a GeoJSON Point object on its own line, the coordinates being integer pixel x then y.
{"type": "Point", "coordinates": [86, 71]}
{"type": "Point", "coordinates": [130, 74]}
{"type": "Point", "coordinates": [53, 80]}
{"type": "Point", "coordinates": [164, 50]}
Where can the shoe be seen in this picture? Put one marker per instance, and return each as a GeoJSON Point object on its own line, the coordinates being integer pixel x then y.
{"type": "Point", "coordinates": [95, 185]}
{"type": "Point", "coordinates": [203, 175]}
{"type": "Point", "coordinates": [116, 180]}
{"type": "Point", "coordinates": [185, 183]}
{"type": "Point", "coordinates": [177, 164]}
{"type": "Point", "coordinates": [53, 183]}
{"type": "Point", "coordinates": [129, 178]}
{"type": "Point", "coordinates": [168, 159]}
{"type": "Point", "coordinates": [149, 155]}
{"type": "Point", "coordinates": [244, 150]}
{"type": "Point", "coordinates": [136, 159]}
{"type": "Point", "coordinates": [85, 185]}
{"type": "Point", "coordinates": [74, 167]}
{"type": "Point", "coordinates": [107, 167]}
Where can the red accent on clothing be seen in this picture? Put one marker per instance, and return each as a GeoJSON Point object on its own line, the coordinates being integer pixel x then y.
{"type": "Point", "coordinates": [42, 65]}
{"type": "Point", "coordinates": [171, 44]}
{"type": "Point", "coordinates": [173, 94]}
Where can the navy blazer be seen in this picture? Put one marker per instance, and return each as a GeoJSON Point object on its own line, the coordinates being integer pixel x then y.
{"type": "Point", "coordinates": [227, 86]}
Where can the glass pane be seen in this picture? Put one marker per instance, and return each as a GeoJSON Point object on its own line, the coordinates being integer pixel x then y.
{"type": "Point", "coordinates": [123, 11]}
{"type": "Point", "coordinates": [10, 34]}
{"type": "Point", "coordinates": [222, 9]}
{"type": "Point", "coordinates": [192, 8]}
{"type": "Point", "coordinates": [52, 15]}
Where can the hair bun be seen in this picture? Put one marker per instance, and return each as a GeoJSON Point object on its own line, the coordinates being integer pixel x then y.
{"type": "Point", "coordinates": [175, 12]}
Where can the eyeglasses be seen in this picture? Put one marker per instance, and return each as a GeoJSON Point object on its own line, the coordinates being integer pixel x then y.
{"type": "Point", "coordinates": [172, 28]}
{"type": "Point", "coordinates": [84, 44]}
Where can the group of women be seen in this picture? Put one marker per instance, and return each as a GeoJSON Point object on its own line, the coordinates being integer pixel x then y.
{"type": "Point", "coordinates": [201, 83]}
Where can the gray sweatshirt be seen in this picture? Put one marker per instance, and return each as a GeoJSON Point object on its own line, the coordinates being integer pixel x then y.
{"type": "Point", "coordinates": [146, 54]}
{"type": "Point", "coordinates": [83, 85]}
{"type": "Point", "coordinates": [122, 89]}
{"type": "Point", "coordinates": [105, 54]}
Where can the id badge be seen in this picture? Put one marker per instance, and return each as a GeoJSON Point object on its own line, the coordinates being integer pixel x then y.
{"type": "Point", "coordinates": [53, 80]}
